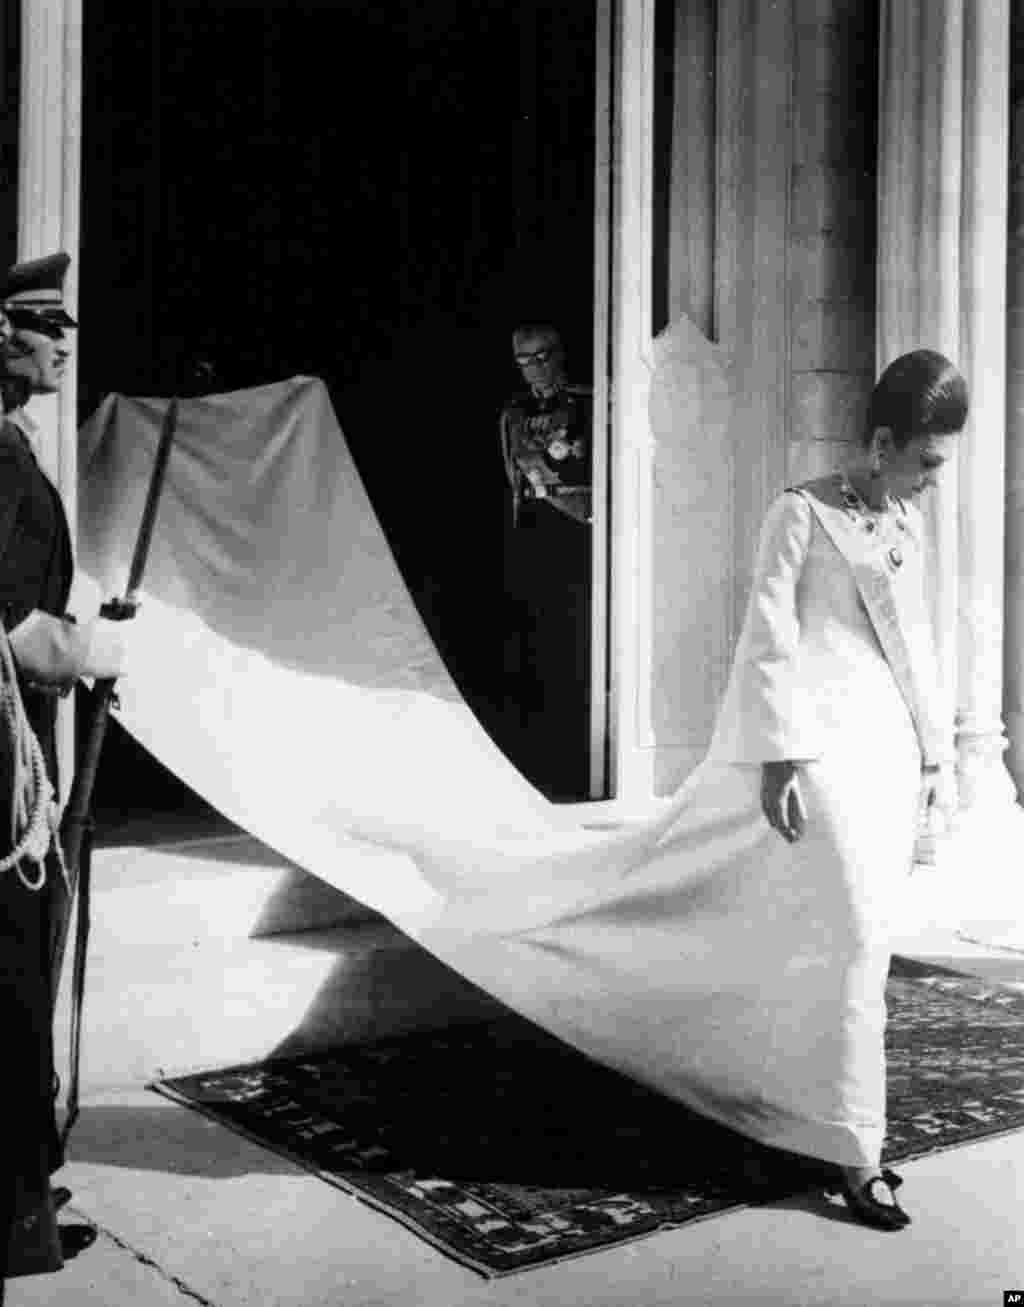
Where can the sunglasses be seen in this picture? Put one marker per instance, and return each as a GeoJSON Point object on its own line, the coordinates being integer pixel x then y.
{"type": "Point", "coordinates": [538, 356]}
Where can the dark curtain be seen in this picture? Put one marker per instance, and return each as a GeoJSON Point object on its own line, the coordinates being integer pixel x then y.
{"type": "Point", "coordinates": [10, 57]}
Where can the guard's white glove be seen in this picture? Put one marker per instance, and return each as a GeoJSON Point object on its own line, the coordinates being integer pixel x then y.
{"type": "Point", "coordinates": [55, 651]}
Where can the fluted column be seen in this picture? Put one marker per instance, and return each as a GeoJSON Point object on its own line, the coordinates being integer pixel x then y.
{"type": "Point", "coordinates": [920, 177]}
{"type": "Point", "coordinates": [631, 735]}
{"type": "Point", "coordinates": [49, 169]}
{"type": "Point", "coordinates": [943, 137]}
{"type": "Point", "coordinates": [1014, 657]}
{"type": "Point", "coordinates": [981, 740]}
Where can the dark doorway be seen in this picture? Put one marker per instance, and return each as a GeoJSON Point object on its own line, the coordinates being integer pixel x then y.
{"type": "Point", "coordinates": [373, 194]}
{"type": "Point", "coordinates": [10, 112]}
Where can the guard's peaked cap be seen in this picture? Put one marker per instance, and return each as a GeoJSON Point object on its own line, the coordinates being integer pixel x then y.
{"type": "Point", "coordinates": [35, 289]}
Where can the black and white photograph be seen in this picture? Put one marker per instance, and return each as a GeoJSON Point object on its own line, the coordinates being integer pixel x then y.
{"type": "Point", "coordinates": [511, 653]}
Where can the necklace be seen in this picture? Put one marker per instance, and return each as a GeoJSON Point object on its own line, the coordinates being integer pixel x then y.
{"type": "Point", "coordinates": [854, 499]}
{"type": "Point", "coordinates": [872, 518]}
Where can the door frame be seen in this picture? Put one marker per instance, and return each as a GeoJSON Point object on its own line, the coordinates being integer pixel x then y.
{"type": "Point", "coordinates": [601, 771]}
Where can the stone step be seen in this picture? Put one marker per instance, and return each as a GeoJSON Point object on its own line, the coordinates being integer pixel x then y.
{"type": "Point", "coordinates": [213, 952]}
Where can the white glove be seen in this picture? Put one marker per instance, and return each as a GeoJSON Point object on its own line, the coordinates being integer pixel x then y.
{"type": "Point", "coordinates": [55, 651]}
{"type": "Point", "coordinates": [939, 800]}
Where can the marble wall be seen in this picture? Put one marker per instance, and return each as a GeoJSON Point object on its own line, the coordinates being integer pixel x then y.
{"type": "Point", "coordinates": [763, 254]}
{"type": "Point", "coordinates": [832, 231]}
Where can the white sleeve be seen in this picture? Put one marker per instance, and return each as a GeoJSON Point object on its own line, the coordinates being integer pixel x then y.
{"type": "Point", "coordinates": [768, 712]}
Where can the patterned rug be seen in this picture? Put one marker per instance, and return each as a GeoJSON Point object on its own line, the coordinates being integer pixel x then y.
{"type": "Point", "coordinates": [507, 1150]}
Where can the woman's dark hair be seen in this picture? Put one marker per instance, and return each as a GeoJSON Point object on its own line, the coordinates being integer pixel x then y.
{"type": "Point", "coordinates": [918, 394]}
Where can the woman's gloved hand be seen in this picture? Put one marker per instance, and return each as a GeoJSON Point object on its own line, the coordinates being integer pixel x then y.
{"type": "Point", "coordinates": [939, 798]}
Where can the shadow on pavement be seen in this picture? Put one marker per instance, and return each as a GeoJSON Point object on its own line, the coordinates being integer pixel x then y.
{"type": "Point", "coordinates": [168, 1139]}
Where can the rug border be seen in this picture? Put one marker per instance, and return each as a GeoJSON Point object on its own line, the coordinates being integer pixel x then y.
{"type": "Point", "coordinates": [392, 1214]}
{"type": "Point", "coordinates": [163, 1087]}
{"type": "Point", "coordinates": [471, 1263]}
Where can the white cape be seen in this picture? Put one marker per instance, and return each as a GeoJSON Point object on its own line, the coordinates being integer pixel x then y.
{"type": "Point", "coordinates": [279, 667]}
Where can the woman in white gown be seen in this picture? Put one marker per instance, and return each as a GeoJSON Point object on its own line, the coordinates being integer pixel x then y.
{"type": "Point", "coordinates": [738, 961]}
{"type": "Point", "coordinates": [732, 953]}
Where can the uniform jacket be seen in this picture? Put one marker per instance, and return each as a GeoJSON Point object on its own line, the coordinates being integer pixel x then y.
{"type": "Point", "coordinates": [35, 559]}
{"type": "Point", "coordinates": [546, 448]}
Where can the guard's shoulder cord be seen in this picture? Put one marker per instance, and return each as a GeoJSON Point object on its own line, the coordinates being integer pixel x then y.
{"type": "Point", "coordinates": [34, 817]}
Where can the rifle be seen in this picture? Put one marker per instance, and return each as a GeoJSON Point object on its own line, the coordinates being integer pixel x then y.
{"type": "Point", "coordinates": [77, 824]}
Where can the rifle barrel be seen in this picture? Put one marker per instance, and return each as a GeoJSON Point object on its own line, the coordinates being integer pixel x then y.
{"type": "Point", "coordinates": [77, 818]}
{"type": "Point", "coordinates": [163, 453]}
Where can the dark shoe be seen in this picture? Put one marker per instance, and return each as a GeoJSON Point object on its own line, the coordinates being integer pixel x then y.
{"type": "Point", "coordinates": [866, 1207]}
{"type": "Point", "coordinates": [39, 1245]}
{"type": "Point", "coordinates": [75, 1238]}
{"type": "Point", "coordinates": [33, 1246]}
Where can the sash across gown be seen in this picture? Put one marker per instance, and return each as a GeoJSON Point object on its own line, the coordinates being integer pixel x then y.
{"type": "Point", "coordinates": [737, 973]}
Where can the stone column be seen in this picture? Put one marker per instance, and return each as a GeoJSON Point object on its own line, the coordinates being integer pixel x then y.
{"type": "Point", "coordinates": [49, 167]}
{"type": "Point", "coordinates": [631, 735]}
{"type": "Point", "coordinates": [920, 133]}
{"type": "Point", "coordinates": [981, 741]}
{"type": "Point", "coordinates": [943, 134]}
{"type": "Point", "coordinates": [1014, 651]}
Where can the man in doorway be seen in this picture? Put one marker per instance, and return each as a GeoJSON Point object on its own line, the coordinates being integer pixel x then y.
{"type": "Point", "coordinates": [50, 651]}
{"type": "Point", "coordinates": [546, 449]}
{"type": "Point", "coordinates": [546, 431]}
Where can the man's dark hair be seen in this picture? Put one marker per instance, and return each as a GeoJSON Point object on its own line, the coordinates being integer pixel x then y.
{"type": "Point", "coordinates": [537, 329]}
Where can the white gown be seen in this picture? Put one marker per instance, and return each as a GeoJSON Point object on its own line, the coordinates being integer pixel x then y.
{"type": "Point", "coordinates": [282, 671]}
{"type": "Point", "coordinates": [737, 973]}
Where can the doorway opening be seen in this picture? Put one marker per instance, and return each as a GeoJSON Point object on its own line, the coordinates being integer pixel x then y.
{"type": "Point", "coordinates": [10, 104]}
{"type": "Point", "coordinates": [375, 195]}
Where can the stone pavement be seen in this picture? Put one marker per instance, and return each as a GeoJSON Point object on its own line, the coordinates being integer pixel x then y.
{"type": "Point", "coordinates": [183, 974]}
{"type": "Point", "coordinates": [190, 1213]}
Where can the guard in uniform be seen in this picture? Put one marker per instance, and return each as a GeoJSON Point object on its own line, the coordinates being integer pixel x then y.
{"type": "Point", "coordinates": [546, 448]}
{"type": "Point", "coordinates": [50, 651]}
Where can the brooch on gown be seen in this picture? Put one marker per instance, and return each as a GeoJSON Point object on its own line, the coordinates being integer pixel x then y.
{"type": "Point", "coordinates": [895, 554]}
